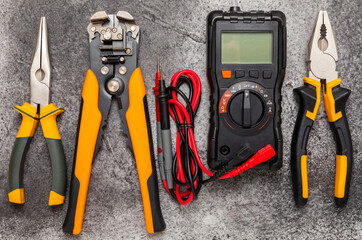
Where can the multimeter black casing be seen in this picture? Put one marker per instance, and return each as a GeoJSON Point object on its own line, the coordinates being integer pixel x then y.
{"type": "Point", "coordinates": [246, 101]}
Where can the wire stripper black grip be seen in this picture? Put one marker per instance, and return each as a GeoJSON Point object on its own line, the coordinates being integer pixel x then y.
{"type": "Point", "coordinates": [123, 81]}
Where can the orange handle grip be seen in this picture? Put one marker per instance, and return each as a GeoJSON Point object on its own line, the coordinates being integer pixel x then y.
{"type": "Point", "coordinates": [88, 139]}
{"type": "Point", "coordinates": [88, 129]}
{"type": "Point", "coordinates": [138, 122]}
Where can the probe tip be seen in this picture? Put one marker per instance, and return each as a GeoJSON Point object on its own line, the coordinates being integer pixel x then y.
{"type": "Point", "coordinates": [159, 67]}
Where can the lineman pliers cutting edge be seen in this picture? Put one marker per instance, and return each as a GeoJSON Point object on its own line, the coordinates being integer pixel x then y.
{"type": "Point", "coordinates": [39, 109]}
{"type": "Point", "coordinates": [322, 58]}
{"type": "Point", "coordinates": [114, 74]}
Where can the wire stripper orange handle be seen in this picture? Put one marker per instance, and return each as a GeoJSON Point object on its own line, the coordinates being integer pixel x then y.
{"type": "Point", "coordinates": [88, 129]}
{"type": "Point", "coordinates": [88, 135]}
{"type": "Point", "coordinates": [139, 127]}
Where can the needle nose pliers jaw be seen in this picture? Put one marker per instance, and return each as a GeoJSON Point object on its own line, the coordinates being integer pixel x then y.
{"type": "Point", "coordinates": [39, 109]}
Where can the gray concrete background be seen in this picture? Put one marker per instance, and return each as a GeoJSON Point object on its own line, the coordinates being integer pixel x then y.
{"type": "Point", "coordinates": [258, 204]}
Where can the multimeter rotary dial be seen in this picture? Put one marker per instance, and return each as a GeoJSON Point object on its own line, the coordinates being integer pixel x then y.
{"type": "Point", "coordinates": [246, 105]}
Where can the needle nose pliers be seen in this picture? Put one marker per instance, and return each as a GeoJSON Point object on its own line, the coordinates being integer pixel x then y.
{"type": "Point", "coordinates": [322, 58]}
{"type": "Point", "coordinates": [39, 109]}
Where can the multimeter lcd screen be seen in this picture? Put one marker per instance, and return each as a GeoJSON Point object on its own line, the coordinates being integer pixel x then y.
{"type": "Point", "coordinates": [247, 47]}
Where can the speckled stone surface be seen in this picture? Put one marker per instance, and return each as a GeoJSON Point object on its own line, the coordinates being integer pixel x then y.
{"type": "Point", "coordinates": [258, 204]}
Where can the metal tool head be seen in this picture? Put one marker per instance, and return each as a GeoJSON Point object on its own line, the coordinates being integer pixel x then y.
{"type": "Point", "coordinates": [322, 50]}
{"type": "Point", "coordinates": [159, 68]}
{"type": "Point", "coordinates": [116, 31]}
{"type": "Point", "coordinates": [40, 69]}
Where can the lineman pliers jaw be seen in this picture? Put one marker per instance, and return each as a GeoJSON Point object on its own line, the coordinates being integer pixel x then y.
{"type": "Point", "coordinates": [39, 109]}
{"type": "Point", "coordinates": [114, 75]}
{"type": "Point", "coordinates": [322, 59]}
{"type": "Point", "coordinates": [322, 50]}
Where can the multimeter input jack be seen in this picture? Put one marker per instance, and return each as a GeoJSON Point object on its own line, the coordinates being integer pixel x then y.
{"type": "Point", "coordinates": [225, 150]}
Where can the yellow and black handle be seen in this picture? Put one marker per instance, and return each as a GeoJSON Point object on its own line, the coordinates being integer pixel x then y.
{"type": "Point", "coordinates": [48, 121]}
{"type": "Point", "coordinates": [88, 138]}
{"type": "Point", "coordinates": [26, 132]}
{"type": "Point", "coordinates": [139, 127]}
{"type": "Point", "coordinates": [335, 98]}
{"type": "Point", "coordinates": [308, 98]}
{"type": "Point", "coordinates": [18, 153]}
{"type": "Point", "coordinates": [88, 130]}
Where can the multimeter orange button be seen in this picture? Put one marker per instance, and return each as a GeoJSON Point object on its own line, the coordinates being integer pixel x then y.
{"type": "Point", "coordinates": [226, 74]}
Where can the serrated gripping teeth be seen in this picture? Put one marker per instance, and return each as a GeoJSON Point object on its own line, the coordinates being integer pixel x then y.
{"type": "Point", "coordinates": [322, 50]}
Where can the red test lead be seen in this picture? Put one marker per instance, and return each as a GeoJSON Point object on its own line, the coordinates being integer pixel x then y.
{"type": "Point", "coordinates": [184, 180]}
{"type": "Point", "coordinates": [161, 162]}
{"type": "Point", "coordinates": [261, 156]}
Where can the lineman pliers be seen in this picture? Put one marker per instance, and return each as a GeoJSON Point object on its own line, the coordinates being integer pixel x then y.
{"type": "Point", "coordinates": [322, 58]}
{"type": "Point", "coordinates": [39, 109]}
{"type": "Point", "coordinates": [114, 74]}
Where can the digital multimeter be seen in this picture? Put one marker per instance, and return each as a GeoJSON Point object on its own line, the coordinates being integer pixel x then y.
{"type": "Point", "coordinates": [246, 60]}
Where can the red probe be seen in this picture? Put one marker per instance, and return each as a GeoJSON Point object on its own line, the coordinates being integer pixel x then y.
{"type": "Point", "coordinates": [158, 124]}
{"type": "Point", "coordinates": [187, 166]}
{"type": "Point", "coordinates": [261, 156]}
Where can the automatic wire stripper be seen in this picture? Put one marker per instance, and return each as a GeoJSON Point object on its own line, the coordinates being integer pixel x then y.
{"type": "Point", "coordinates": [322, 58]}
{"type": "Point", "coordinates": [114, 74]}
{"type": "Point", "coordinates": [39, 109]}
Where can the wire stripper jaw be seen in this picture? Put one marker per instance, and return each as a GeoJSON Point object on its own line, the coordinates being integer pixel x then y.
{"type": "Point", "coordinates": [40, 69]}
{"type": "Point", "coordinates": [322, 50]}
{"type": "Point", "coordinates": [114, 40]}
{"type": "Point", "coordinates": [116, 33]}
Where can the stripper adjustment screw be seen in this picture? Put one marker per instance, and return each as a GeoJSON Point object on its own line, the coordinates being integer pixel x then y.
{"type": "Point", "coordinates": [104, 70]}
{"type": "Point", "coordinates": [122, 70]}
